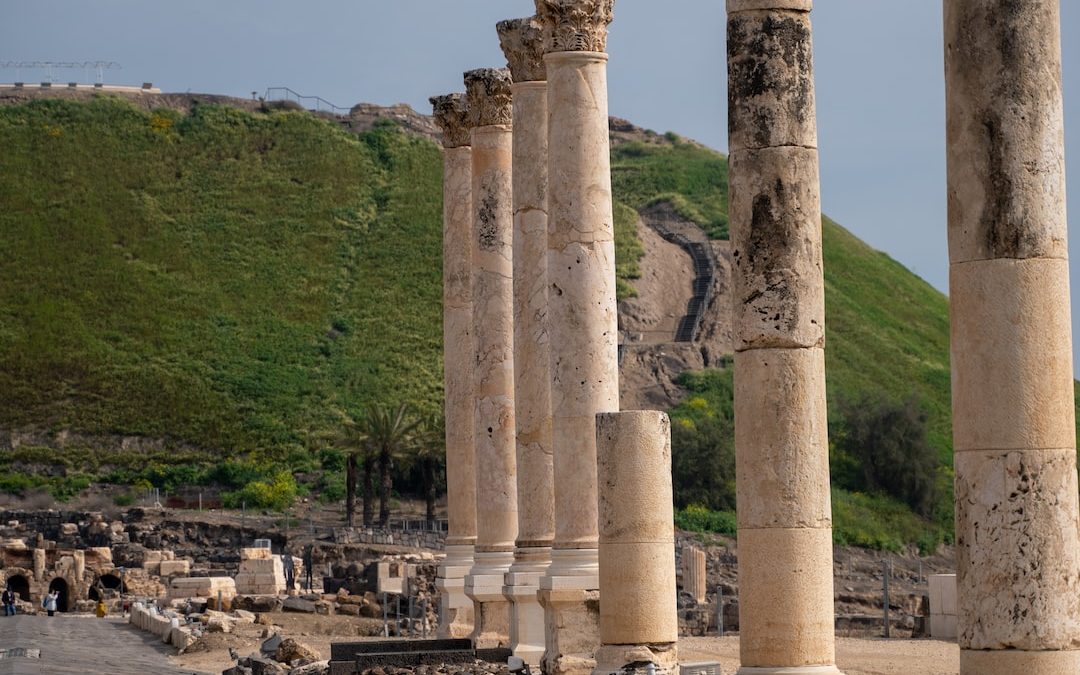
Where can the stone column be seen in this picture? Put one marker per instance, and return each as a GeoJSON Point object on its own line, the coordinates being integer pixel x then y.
{"type": "Point", "coordinates": [490, 117]}
{"type": "Point", "coordinates": [639, 623]}
{"type": "Point", "coordinates": [582, 316]}
{"type": "Point", "coordinates": [781, 438]}
{"type": "Point", "coordinates": [522, 43]}
{"type": "Point", "coordinates": [694, 573]}
{"type": "Point", "coordinates": [1018, 554]}
{"type": "Point", "coordinates": [459, 356]}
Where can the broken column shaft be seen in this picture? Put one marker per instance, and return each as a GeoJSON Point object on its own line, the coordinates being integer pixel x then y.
{"type": "Point", "coordinates": [1018, 553]}
{"type": "Point", "coordinates": [459, 355]}
{"type": "Point", "coordinates": [639, 622]}
{"type": "Point", "coordinates": [489, 104]}
{"type": "Point", "coordinates": [782, 464]}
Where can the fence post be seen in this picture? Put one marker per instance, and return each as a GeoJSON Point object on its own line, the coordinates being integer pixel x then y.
{"type": "Point", "coordinates": [385, 622]}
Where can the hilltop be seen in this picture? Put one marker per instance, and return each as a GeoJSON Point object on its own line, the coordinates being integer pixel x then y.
{"type": "Point", "coordinates": [190, 283]}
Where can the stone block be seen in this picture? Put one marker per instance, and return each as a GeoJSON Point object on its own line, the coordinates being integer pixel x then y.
{"type": "Point", "coordinates": [255, 554]}
{"type": "Point", "coordinates": [781, 569]}
{"type": "Point", "coordinates": [776, 245]}
{"type": "Point", "coordinates": [168, 568]}
{"type": "Point", "coordinates": [942, 588]}
{"type": "Point", "coordinates": [1011, 355]}
{"type": "Point", "coordinates": [1017, 549]}
{"type": "Point", "coordinates": [781, 439]}
{"type": "Point", "coordinates": [734, 6]}
{"type": "Point", "coordinates": [943, 626]}
{"type": "Point", "coordinates": [1014, 662]}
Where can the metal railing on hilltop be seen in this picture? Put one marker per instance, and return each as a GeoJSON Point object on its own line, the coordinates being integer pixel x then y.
{"type": "Point", "coordinates": [316, 103]}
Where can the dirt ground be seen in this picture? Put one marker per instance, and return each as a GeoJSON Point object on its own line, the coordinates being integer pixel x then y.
{"type": "Point", "coordinates": [854, 656]}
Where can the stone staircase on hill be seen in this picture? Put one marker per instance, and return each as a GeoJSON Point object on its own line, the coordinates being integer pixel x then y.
{"type": "Point", "coordinates": [704, 270]}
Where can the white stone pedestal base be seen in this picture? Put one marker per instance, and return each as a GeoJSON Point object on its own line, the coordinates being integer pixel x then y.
{"type": "Point", "coordinates": [455, 608]}
{"type": "Point", "coordinates": [790, 670]}
{"type": "Point", "coordinates": [625, 659]}
{"type": "Point", "coordinates": [526, 615]}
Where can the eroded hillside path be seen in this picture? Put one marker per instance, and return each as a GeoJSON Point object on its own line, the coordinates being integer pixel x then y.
{"type": "Point", "coordinates": [83, 645]}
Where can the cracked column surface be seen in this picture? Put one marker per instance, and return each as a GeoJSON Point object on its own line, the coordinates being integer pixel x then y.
{"type": "Point", "coordinates": [781, 438]}
{"type": "Point", "coordinates": [459, 354]}
{"type": "Point", "coordinates": [639, 623]}
{"type": "Point", "coordinates": [522, 43]}
{"type": "Point", "coordinates": [489, 104]}
{"type": "Point", "coordinates": [1018, 554]}
{"type": "Point", "coordinates": [582, 316]}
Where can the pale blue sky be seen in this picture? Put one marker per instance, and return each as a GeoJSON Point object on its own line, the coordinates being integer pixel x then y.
{"type": "Point", "coordinates": [879, 76]}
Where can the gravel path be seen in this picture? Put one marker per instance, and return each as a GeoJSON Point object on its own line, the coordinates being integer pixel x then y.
{"type": "Point", "coordinates": [83, 645]}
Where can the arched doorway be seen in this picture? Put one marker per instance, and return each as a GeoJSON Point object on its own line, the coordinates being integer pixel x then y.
{"type": "Point", "coordinates": [20, 585]}
{"type": "Point", "coordinates": [61, 587]}
{"type": "Point", "coordinates": [109, 583]}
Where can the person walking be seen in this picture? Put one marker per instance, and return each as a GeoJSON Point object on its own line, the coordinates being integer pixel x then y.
{"type": "Point", "coordinates": [49, 603]}
{"type": "Point", "coordinates": [8, 598]}
{"type": "Point", "coordinates": [100, 609]}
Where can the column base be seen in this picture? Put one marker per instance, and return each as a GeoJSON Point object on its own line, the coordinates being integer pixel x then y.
{"type": "Point", "coordinates": [491, 609]}
{"type": "Point", "coordinates": [571, 627]}
{"type": "Point", "coordinates": [1011, 661]}
{"type": "Point", "coordinates": [521, 584]}
{"type": "Point", "coordinates": [455, 608]}
{"type": "Point", "coordinates": [635, 659]}
{"type": "Point", "coordinates": [790, 670]}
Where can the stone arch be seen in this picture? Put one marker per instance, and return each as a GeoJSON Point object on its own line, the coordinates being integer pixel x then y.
{"type": "Point", "coordinates": [109, 581]}
{"type": "Point", "coordinates": [63, 601]}
{"type": "Point", "coordinates": [21, 585]}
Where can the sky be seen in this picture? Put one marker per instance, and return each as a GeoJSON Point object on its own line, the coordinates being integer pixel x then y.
{"type": "Point", "coordinates": [879, 71]}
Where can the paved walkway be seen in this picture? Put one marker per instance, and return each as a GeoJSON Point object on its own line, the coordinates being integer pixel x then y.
{"type": "Point", "coordinates": [83, 645]}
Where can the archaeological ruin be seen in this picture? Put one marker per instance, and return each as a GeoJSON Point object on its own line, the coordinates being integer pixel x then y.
{"type": "Point", "coordinates": [600, 563]}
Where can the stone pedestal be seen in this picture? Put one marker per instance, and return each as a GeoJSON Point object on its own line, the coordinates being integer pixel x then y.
{"type": "Point", "coordinates": [582, 312]}
{"type": "Point", "coordinates": [490, 116]}
{"type": "Point", "coordinates": [1018, 551]}
{"type": "Point", "coordinates": [459, 356]}
{"type": "Point", "coordinates": [639, 623]}
{"type": "Point", "coordinates": [522, 43]}
{"type": "Point", "coordinates": [781, 440]}
{"type": "Point", "coordinates": [694, 573]}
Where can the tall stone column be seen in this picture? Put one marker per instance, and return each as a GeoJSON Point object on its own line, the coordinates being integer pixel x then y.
{"type": "Point", "coordinates": [459, 356]}
{"type": "Point", "coordinates": [1018, 554]}
{"type": "Point", "coordinates": [490, 116]}
{"type": "Point", "coordinates": [781, 439]}
{"type": "Point", "coordinates": [639, 622]}
{"type": "Point", "coordinates": [582, 315]}
{"type": "Point", "coordinates": [522, 43]}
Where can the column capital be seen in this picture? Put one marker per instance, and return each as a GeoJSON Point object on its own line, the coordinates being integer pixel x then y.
{"type": "Point", "coordinates": [575, 25]}
{"type": "Point", "coordinates": [522, 42]}
{"type": "Point", "coordinates": [489, 99]}
{"type": "Point", "coordinates": [451, 114]}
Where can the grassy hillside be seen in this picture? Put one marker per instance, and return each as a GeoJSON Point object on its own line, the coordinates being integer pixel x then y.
{"type": "Point", "coordinates": [223, 283]}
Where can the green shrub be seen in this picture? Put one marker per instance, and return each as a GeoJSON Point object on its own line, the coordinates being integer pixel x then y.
{"type": "Point", "coordinates": [276, 493]}
{"type": "Point", "coordinates": [703, 441]}
{"type": "Point", "coordinates": [698, 518]}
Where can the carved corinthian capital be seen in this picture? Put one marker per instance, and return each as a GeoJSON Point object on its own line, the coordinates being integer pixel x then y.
{"type": "Point", "coordinates": [489, 97]}
{"type": "Point", "coordinates": [523, 43]}
{"type": "Point", "coordinates": [575, 25]}
{"type": "Point", "coordinates": [452, 115]}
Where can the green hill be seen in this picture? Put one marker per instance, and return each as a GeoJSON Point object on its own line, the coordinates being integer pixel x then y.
{"type": "Point", "coordinates": [179, 289]}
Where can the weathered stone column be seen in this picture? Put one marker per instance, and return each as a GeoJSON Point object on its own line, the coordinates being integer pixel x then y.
{"type": "Point", "coordinates": [582, 316]}
{"type": "Point", "coordinates": [1018, 553]}
{"type": "Point", "coordinates": [694, 573]}
{"type": "Point", "coordinates": [781, 438]}
{"type": "Point", "coordinates": [459, 356]}
{"type": "Point", "coordinates": [522, 43]}
{"type": "Point", "coordinates": [639, 623]}
{"type": "Point", "coordinates": [490, 116]}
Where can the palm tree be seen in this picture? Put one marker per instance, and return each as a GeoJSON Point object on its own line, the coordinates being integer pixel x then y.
{"type": "Point", "coordinates": [355, 441]}
{"type": "Point", "coordinates": [429, 459]}
{"type": "Point", "coordinates": [391, 434]}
